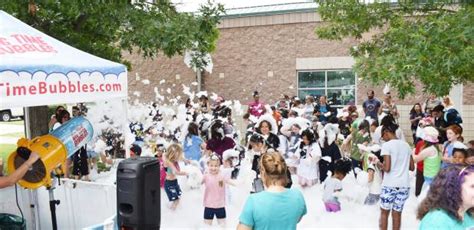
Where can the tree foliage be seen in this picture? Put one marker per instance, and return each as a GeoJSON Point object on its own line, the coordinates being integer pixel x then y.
{"type": "Point", "coordinates": [106, 28]}
{"type": "Point", "coordinates": [432, 42]}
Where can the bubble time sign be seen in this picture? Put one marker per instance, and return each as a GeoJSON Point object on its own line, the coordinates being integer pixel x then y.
{"type": "Point", "coordinates": [22, 43]}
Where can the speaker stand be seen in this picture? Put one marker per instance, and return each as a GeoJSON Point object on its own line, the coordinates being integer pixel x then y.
{"type": "Point", "coordinates": [52, 206]}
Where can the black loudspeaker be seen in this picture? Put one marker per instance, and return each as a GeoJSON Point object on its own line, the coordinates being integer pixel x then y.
{"type": "Point", "coordinates": [138, 193]}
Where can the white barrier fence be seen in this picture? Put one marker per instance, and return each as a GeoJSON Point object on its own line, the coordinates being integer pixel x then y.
{"type": "Point", "coordinates": [78, 208]}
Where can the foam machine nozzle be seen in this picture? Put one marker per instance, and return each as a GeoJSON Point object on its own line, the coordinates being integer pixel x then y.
{"type": "Point", "coordinates": [53, 149]}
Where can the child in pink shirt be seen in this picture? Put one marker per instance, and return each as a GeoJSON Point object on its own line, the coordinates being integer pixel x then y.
{"type": "Point", "coordinates": [214, 193]}
{"type": "Point", "coordinates": [160, 149]}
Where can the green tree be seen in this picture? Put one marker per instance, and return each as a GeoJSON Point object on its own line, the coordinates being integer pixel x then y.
{"type": "Point", "coordinates": [430, 42]}
{"type": "Point", "coordinates": [106, 28]}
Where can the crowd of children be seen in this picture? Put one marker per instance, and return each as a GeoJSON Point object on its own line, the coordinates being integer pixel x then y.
{"type": "Point", "coordinates": [320, 144]}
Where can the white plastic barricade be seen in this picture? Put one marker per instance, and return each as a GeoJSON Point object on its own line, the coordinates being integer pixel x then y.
{"type": "Point", "coordinates": [82, 204]}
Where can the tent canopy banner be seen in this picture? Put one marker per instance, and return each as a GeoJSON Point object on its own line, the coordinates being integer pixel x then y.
{"type": "Point", "coordinates": [36, 69]}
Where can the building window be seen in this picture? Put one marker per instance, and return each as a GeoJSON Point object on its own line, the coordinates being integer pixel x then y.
{"type": "Point", "coordinates": [338, 85]}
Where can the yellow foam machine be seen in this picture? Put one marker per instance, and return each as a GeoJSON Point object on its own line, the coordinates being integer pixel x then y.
{"type": "Point", "coordinates": [53, 149]}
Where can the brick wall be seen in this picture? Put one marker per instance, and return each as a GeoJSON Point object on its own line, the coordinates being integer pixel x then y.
{"type": "Point", "coordinates": [468, 120]}
{"type": "Point", "coordinates": [261, 55]}
{"type": "Point", "coordinates": [468, 93]}
{"type": "Point", "coordinates": [252, 58]}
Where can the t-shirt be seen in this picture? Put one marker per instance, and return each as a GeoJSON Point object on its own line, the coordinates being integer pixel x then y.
{"type": "Point", "coordinates": [414, 126]}
{"type": "Point", "coordinates": [377, 135]}
{"type": "Point", "coordinates": [192, 147]}
{"type": "Point", "coordinates": [440, 124]}
{"type": "Point", "coordinates": [389, 109]}
{"type": "Point", "coordinates": [56, 125]}
{"type": "Point", "coordinates": [418, 148]}
{"type": "Point", "coordinates": [400, 153]}
{"type": "Point", "coordinates": [270, 210]}
{"type": "Point", "coordinates": [293, 142]}
{"type": "Point", "coordinates": [256, 108]}
{"type": "Point", "coordinates": [432, 161]}
{"type": "Point", "coordinates": [222, 111]}
{"type": "Point", "coordinates": [323, 109]}
{"type": "Point", "coordinates": [345, 127]}
{"type": "Point", "coordinates": [371, 106]}
{"type": "Point", "coordinates": [430, 104]}
{"type": "Point", "coordinates": [447, 152]}
{"type": "Point", "coordinates": [214, 192]}
{"type": "Point", "coordinates": [308, 111]}
{"type": "Point", "coordinates": [331, 185]}
{"type": "Point", "coordinates": [358, 138]}
{"type": "Point", "coordinates": [219, 146]}
{"type": "Point", "coordinates": [452, 117]}
{"type": "Point", "coordinates": [309, 156]}
{"type": "Point", "coordinates": [227, 173]}
{"type": "Point", "coordinates": [440, 219]}
{"type": "Point", "coordinates": [162, 173]}
{"type": "Point", "coordinates": [277, 116]}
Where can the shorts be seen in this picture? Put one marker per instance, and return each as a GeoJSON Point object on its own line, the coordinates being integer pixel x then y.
{"type": "Point", "coordinates": [332, 206]}
{"type": "Point", "coordinates": [209, 213]}
{"type": "Point", "coordinates": [172, 189]}
{"type": "Point", "coordinates": [92, 154]}
{"type": "Point", "coordinates": [393, 198]}
{"type": "Point", "coordinates": [372, 199]}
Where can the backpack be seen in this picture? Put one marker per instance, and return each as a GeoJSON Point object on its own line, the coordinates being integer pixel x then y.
{"type": "Point", "coordinates": [452, 117]}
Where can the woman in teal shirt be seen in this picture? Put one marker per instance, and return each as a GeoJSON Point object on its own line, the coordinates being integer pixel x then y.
{"type": "Point", "coordinates": [450, 200]}
{"type": "Point", "coordinates": [276, 207]}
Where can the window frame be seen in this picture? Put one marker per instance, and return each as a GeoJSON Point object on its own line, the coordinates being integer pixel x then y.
{"type": "Point", "coordinates": [326, 88]}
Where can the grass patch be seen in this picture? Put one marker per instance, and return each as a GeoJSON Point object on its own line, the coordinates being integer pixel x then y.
{"type": "Point", "coordinates": [17, 122]}
{"type": "Point", "coordinates": [5, 150]}
{"type": "Point", "coordinates": [21, 134]}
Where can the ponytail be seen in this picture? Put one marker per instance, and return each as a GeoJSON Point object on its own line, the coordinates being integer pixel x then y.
{"type": "Point", "coordinates": [273, 168]}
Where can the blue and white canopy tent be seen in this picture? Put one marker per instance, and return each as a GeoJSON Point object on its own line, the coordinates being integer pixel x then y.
{"type": "Point", "coordinates": [36, 69]}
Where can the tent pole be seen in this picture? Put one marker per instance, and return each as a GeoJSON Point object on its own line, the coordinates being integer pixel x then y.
{"type": "Point", "coordinates": [52, 207]}
{"type": "Point", "coordinates": [33, 194]}
{"type": "Point", "coordinates": [125, 108]}
{"type": "Point", "coordinates": [26, 124]}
